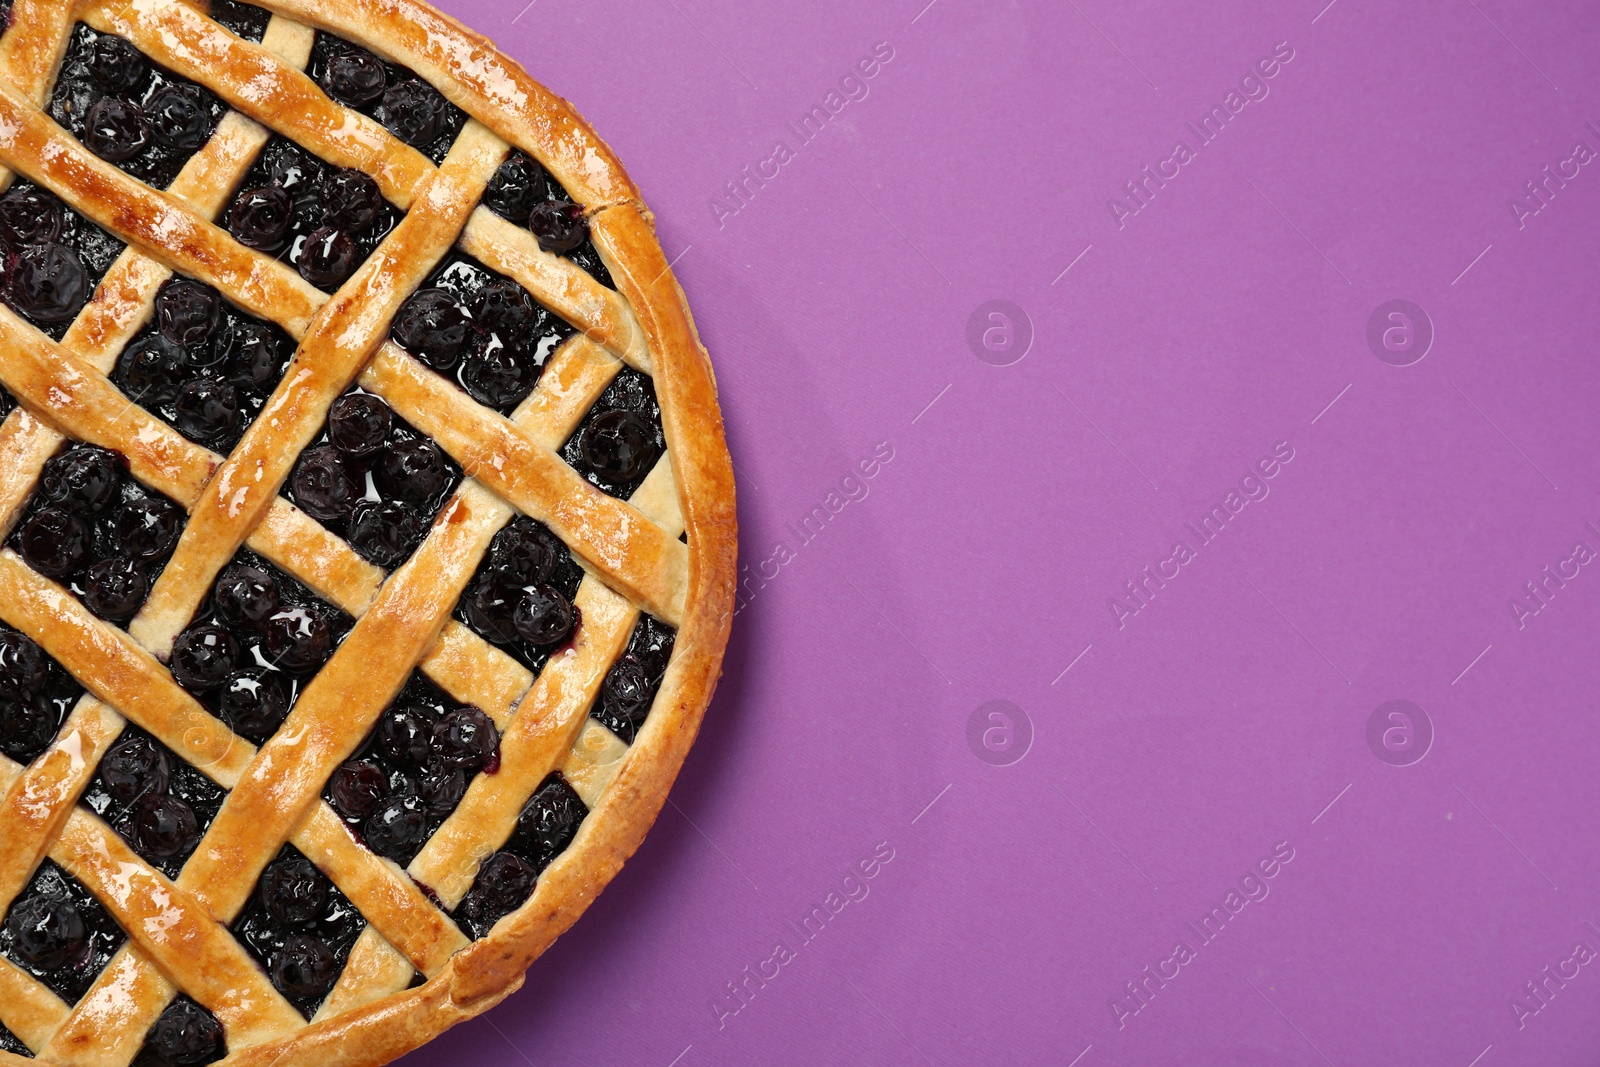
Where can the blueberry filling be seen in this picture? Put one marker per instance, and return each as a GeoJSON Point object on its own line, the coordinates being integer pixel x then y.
{"type": "Point", "coordinates": [409, 107]}
{"type": "Point", "coordinates": [59, 933]}
{"type": "Point", "coordinates": [36, 694]}
{"type": "Point", "coordinates": [8, 403]}
{"type": "Point", "coordinates": [320, 219]}
{"type": "Point", "coordinates": [373, 479]}
{"type": "Point", "coordinates": [185, 1035]}
{"type": "Point", "coordinates": [129, 111]}
{"type": "Point", "coordinates": [481, 329]}
{"type": "Point", "coordinates": [11, 1043]}
{"type": "Point", "coordinates": [90, 526]}
{"type": "Point", "coordinates": [630, 685]}
{"type": "Point", "coordinates": [300, 927]}
{"type": "Point", "coordinates": [521, 596]}
{"type": "Point", "coordinates": [254, 643]}
{"type": "Point", "coordinates": [546, 826]}
{"type": "Point", "coordinates": [54, 257]}
{"type": "Point", "coordinates": [203, 365]}
{"type": "Point", "coordinates": [159, 804]}
{"type": "Point", "coordinates": [523, 192]}
{"type": "Point", "coordinates": [413, 769]}
{"type": "Point", "coordinates": [620, 439]}
{"type": "Point", "coordinates": [244, 20]}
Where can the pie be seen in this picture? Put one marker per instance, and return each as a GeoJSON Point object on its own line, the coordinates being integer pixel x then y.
{"type": "Point", "coordinates": [368, 528]}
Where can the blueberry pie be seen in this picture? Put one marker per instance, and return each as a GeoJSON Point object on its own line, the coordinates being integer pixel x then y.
{"type": "Point", "coordinates": [366, 528]}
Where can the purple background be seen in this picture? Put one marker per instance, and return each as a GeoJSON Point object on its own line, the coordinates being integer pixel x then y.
{"type": "Point", "coordinates": [1231, 711]}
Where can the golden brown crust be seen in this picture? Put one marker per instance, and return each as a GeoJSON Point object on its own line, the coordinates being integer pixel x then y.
{"type": "Point", "coordinates": [402, 620]}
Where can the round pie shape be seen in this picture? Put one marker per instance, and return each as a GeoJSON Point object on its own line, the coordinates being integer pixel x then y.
{"type": "Point", "coordinates": [571, 449]}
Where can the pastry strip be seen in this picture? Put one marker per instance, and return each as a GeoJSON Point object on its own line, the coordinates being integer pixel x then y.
{"type": "Point", "coordinates": [27, 1008]}
{"type": "Point", "coordinates": [38, 802]}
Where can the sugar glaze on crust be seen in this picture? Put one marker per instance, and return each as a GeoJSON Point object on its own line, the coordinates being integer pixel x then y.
{"type": "Point", "coordinates": [630, 550]}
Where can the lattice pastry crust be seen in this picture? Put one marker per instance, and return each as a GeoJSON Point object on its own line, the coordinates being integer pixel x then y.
{"type": "Point", "coordinates": [429, 939]}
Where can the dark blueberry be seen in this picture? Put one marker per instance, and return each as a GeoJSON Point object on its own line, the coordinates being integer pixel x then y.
{"type": "Point", "coordinates": [114, 589]}
{"type": "Point", "coordinates": [27, 724]}
{"type": "Point", "coordinates": [359, 424]}
{"type": "Point", "coordinates": [135, 768]}
{"type": "Point", "coordinates": [204, 657]}
{"type": "Point", "coordinates": [506, 308]}
{"type": "Point", "coordinates": [117, 65]}
{"type": "Point", "coordinates": [405, 736]}
{"type": "Point", "coordinates": [328, 258]}
{"type": "Point", "coordinates": [155, 369]}
{"type": "Point", "coordinates": [323, 485]}
{"type": "Point", "coordinates": [245, 597]}
{"type": "Point", "coordinates": [504, 883]}
{"type": "Point", "coordinates": [186, 1035]}
{"type": "Point", "coordinates": [253, 353]}
{"type": "Point", "coordinates": [384, 533]}
{"type": "Point", "coordinates": [116, 130]}
{"type": "Point", "coordinates": [466, 738]}
{"type": "Point", "coordinates": [48, 932]}
{"type": "Point", "coordinates": [490, 606]}
{"type": "Point", "coordinates": [299, 641]}
{"type": "Point", "coordinates": [149, 527]}
{"type": "Point", "coordinates": [543, 616]}
{"type": "Point", "coordinates": [187, 312]}
{"type": "Point", "coordinates": [414, 471]}
{"type": "Point", "coordinates": [398, 828]}
{"type": "Point", "coordinates": [355, 77]}
{"type": "Point", "coordinates": [433, 327]}
{"type": "Point", "coordinates": [179, 117]}
{"type": "Point", "coordinates": [559, 225]}
{"type": "Point", "coordinates": [254, 704]}
{"type": "Point", "coordinates": [304, 968]}
{"type": "Point", "coordinates": [357, 788]}
{"type": "Point", "coordinates": [413, 110]}
{"type": "Point", "coordinates": [30, 217]}
{"type": "Point", "coordinates": [618, 445]}
{"type": "Point", "coordinates": [350, 199]}
{"type": "Point", "coordinates": [164, 827]}
{"type": "Point", "coordinates": [54, 542]}
{"type": "Point", "coordinates": [442, 788]}
{"type": "Point", "coordinates": [47, 282]}
{"type": "Point", "coordinates": [519, 184]}
{"type": "Point", "coordinates": [84, 479]}
{"type": "Point", "coordinates": [22, 665]}
{"type": "Point", "coordinates": [628, 690]}
{"type": "Point", "coordinates": [522, 554]}
{"type": "Point", "coordinates": [292, 169]}
{"type": "Point", "coordinates": [551, 818]}
{"type": "Point", "coordinates": [207, 409]}
{"type": "Point", "coordinates": [293, 892]}
{"type": "Point", "coordinates": [499, 376]}
{"type": "Point", "coordinates": [260, 218]}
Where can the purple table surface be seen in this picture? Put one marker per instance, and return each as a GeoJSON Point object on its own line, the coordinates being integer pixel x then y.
{"type": "Point", "coordinates": [1194, 830]}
